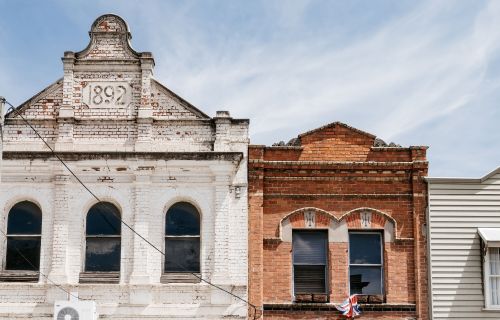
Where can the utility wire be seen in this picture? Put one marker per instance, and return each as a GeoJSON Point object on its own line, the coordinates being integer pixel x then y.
{"type": "Point", "coordinates": [123, 222]}
{"type": "Point", "coordinates": [41, 273]}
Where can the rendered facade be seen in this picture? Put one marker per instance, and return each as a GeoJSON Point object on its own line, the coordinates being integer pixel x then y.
{"type": "Point", "coordinates": [337, 212]}
{"type": "Point", "coordinates": [175, 175]}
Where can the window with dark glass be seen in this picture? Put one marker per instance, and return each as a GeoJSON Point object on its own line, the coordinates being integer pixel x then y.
{"type": "Point", "coordinates": [365, 263]}
{"type": "Point", "coordinates": [310, 250]}
{"type": "Point", "coordinates": [24, 233]}
{"type": "Point", "coordinates": [182, 238]}
{"type": "Point", "coordinates": [103, 238]}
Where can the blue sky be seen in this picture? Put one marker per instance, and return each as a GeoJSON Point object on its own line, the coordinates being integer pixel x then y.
{"type": "Point", "coordinates": [412, 72]}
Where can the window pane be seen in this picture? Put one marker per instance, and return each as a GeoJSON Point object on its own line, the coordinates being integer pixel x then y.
{"type": "Point", "coordinates": [182, 255]}
{"type": "Point", "coordinates": [29, 247]}
{"type": "Point", "coordinates": [103, 219]}
{"type": "Point", "coordinates": [309, 279]}
{"type": "Point", "coordinates": [182, 219]}
{"type": "Point", "coordinates": [25, 218]}
{"type": "Point", "coordinates": [309, 247]}
{"type": "Point", "coordinates": [494, 261]}
{"type": "Point", "coordinates": [494, 287]}
{"type": "Point", "coordinates": [365, 248]}
{"type": "Point", "coordinates": [366, 280]}
{"type": "Point", "coordinates": [102, 254]}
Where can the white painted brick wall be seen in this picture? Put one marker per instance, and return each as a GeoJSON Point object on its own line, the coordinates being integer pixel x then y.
{"type": "Point", "coordinates": [155, 120]}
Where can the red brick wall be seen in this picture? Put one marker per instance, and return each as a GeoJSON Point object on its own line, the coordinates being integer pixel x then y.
{"type": "Point", "coordinates": [336, 169]}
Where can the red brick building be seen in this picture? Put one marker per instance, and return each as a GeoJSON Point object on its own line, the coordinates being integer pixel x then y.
{"type": "Point", "coordinates": [337, 212]}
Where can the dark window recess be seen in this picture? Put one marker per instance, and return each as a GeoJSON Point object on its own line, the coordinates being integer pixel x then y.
{"type": "Point", "coordinates": [25, 218]}
{"type": "Point", "coordinates": [103, 219]}
{"type": "Point", "coordinates": [365, 263]}
{"type": "Point", "coordinates": [21, 249]}
{"type": "Point", "coordinates": [310, 262]}
{"type": "Point", "coordinates": [103, 238]}
{"type": "Point", "coordinates": [182, 239]}
{"type": "Point", "coordinates": [182, 219]}
{"type": "Point", "coordinates": [24, 228]}
{"type": "Point", "coordinates": [184, 254]}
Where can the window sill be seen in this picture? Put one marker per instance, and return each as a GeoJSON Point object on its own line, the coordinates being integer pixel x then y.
{"type": "Point", "coordinates": [19, 276]}
{"type": "Point", "coordinates": [180, 277]}
{"type": "Point", "coordinates": [371, 298]}
{"type": "Point", "coordinates": [491, 309]}
{"type": "Point", "coordinates": [382, 307]}
{"type": "Point", "coordinates": [311, 298]}
{"type": "Point", "coordinates": [99, 277]}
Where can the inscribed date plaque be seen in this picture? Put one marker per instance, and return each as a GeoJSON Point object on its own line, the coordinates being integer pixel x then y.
{"type": "Point", "coordinates": [100, 94]}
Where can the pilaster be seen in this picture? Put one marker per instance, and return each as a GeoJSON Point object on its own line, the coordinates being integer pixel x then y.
{"type": "Point", "coordinates": [60, 228]}
{"type": "Point", "coordinates": [222, 182]}
{"type": "Point", "coordinates": [66, 116]}
{"type": "Point", "coordinates": [145, 112]}
{"type": "Point", "coordinates": [141, 218]}
{"type": "Point", "coordinates": [222, 141]}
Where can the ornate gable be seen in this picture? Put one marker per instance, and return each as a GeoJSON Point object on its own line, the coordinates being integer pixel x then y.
{"type": "Point", "coordinates": [108, 100]}
{"type": "Point", "coordinates": [109, 40]}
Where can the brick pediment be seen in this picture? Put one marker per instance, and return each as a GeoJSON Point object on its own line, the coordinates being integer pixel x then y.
{"type": "Point", "coordinates": [335, 142]}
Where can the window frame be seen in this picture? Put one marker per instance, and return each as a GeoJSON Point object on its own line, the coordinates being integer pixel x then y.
{"type": "Point", "coordinates": [32, 236]}
{"type": "Point", "coordinates": [102, 236]}
{"type": "Point", "coordinates": [326, 265]}
{"type": "Point", "coordinates": [181, 276]}
{"type": "Point", "coordinates": [381, 265]}
{"type": "Point", "coordinates": [486, 279]}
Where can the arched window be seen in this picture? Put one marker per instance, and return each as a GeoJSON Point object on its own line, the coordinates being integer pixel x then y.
{"type": "Point", "coordinates": [103, 235]}
{"type": "Point", "coordinates": [182, 238]}
{"type": "Point", "coordinates": [24, 233]}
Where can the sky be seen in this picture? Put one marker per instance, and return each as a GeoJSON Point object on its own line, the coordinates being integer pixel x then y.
{"type": "Point", "coordinates": [409, 72]}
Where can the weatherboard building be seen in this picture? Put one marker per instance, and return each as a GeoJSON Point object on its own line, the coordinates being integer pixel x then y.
{"type": "Point", "coordinates": [147, 165]}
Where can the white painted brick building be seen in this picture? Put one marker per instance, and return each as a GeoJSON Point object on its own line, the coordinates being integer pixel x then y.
{"type": "Point", "coordinates": [141, 148]}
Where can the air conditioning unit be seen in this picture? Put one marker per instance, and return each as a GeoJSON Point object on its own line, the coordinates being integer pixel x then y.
{"type": "Point", "coordinates": [75, 310]}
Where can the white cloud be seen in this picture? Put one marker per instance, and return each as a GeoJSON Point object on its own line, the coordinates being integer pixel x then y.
{"type": "Point", "coordinates": [406, 73]}
{"type": "Point", "coordinates": [271, 63]}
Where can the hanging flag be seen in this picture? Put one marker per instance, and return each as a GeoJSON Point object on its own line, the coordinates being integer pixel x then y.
{"type": "Point", "coordinates": [349, 307]}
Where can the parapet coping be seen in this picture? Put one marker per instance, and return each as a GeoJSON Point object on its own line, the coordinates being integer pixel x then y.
{"type": "Point", "coordinates": [326, 163]}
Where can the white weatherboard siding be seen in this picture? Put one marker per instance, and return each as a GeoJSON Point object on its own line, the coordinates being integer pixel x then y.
{"type": "Point", "coordinates": [457, 208]}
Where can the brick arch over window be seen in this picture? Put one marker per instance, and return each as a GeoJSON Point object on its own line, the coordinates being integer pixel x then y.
{"type": "Point", "coordinates": [371, 219]}
{"type": "Point", "coordinates": [306, 218]}
{"type": "Point", "coordinates": [315, 218]}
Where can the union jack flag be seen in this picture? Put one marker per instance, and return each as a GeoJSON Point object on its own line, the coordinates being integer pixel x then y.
{"type": "Point", "coordinates": [349, 307]}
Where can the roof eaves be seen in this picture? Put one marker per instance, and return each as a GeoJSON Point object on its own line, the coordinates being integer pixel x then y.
{"type": "Point", "coordinates": [463, 179]}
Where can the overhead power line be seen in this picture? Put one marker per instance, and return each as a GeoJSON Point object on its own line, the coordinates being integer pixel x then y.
{"type": "Point", "coordinates": [121, 220]}
{"type": "Point", "coordinates": [34, 267]}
